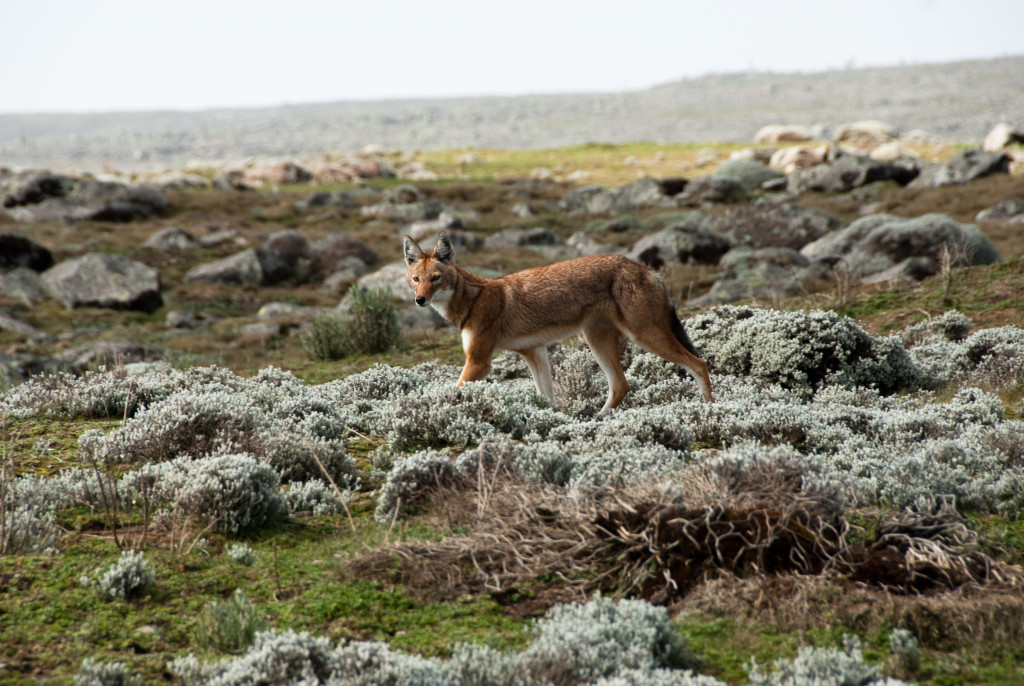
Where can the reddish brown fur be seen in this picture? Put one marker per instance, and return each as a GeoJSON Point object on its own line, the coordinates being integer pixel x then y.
{"type": "Point", "coordinates": [598, 296]}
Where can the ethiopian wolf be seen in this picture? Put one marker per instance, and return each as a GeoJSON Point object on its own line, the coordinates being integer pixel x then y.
{"type": "Point", "coordinates": [599, 296]}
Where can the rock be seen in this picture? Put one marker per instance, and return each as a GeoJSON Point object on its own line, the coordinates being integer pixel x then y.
{"type": "Point", "coordinates": [1011, 210]}
{"type": "Point", "coordinates": [16, 368]}
{"type": "Point", "coordinates": [52, 198]}
{"type": "Point", "coordinates": [232, 180]}
{"type": "Point", "coordinates": [182, 319]}
{"type": "Point", "coordinates": [103, 280]}
{"type": "Point", "coordinates": [863, 136]}
{"type": "Point", "coordinates": [172, 238]}
{"type": "Point", "coordinates": [889, 152]}
{"type": "Point", "coordinates": [523, 210]}
{"type": "Point", "coordinates": [9, 322]}
{"type": "Point", "coordinates": [690, 239]}
{"type": "Point", "coordinates": [876, 243]}
{"type": "Point", "coordinates": [847, 172]}
{"type": "Point", "coordinates": [416, 318]}
{"type": "Point", "coordinates": [763, 273]}
{"type": "Point", "coordinates": [711, 190]}
{"type": "Point", "coordinates": [348, 271]}
{"type": "Point", "coordinates": [405, 212]}
{"type": "Point", "coordinates": [260, 330]}
{"type": "Point", "coordinates": [785, 133]}
{"type": "Point", "coordinates": [762, 225]}
{"type": "Point", "coordinates": [219, 236]}
{"type": "Point", "coordinates": [331, 172]}
{"type": "Point", "coordinates": [34, 187]}
{"type": "Point", "coordinates": [18, 251]}
{"type": "Point", "coordinates": [278, 310]}
{"type": "Point", "coordinates": [329, 254]}
{"type": "Point", "coordinates": [176, 180]}
{"type": "Point", "coordinates": [748, 173]}
{"type": "Point", "coordinates": [391, 275]}
{"type": "Point", "coordinates": [1002, 136]}
{"type": "Point", "coordinates": [290, 244]}
{"type": "Point", "coordinates": [250, 267]}
{"type": "Point", "coordinates": [641, 194]}
{"type": "Point", "coordinates": [585, 245]}
{"type": "Point", "coordinates": [909, 270]}
{"type": "Point", "coordinates": [373, 167]}
{"type": "Point", "coordinates": [508, 239]}
{"type": "Point", "coordinates": [620, 224]}
{"type": "Point", "coordinates": [278, 174]}
{"type": "Point", "coordinates": [763, 154]}
{"type": "Point", "coordinates": [789, 160]}
{"type": "Point", "coordinates": [24, 284]}
{"type": "Point", "coordinates": [416, 171]}
{"type": "Point", "coordinates": [971, 164]}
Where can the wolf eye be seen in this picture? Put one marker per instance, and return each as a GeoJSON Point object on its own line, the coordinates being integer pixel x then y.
{"type": "Point", "coordinates": [435, 277]}
{"type": "Point", "coordinates": [415, 279]}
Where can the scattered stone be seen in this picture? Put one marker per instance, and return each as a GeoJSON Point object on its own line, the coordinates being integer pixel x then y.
{"type": "Point", "coordinates": [16, 368]}
{"type": "Point", "coordinates": [9, 322]}
{"type": "Point", "coordinates": [1002, 136]}
{"type": "Point", "coordinates": [278, 174]}
{"type": "Point", "coordinates": [711, 190]}
{"type": "Point", "coordinates": [789, 160]}
{"type": "Point", "coordinates": [748, 173]}
{"type": "Point", "coordinates": [183, 319]}
{"type": "Point", "coordinates": [641, 194]}
{"type": "Point", "coordinates": [762, 273]}
{"type": "Point", "coordinates": [847, 172]}
{"type": "Point", "coordinates": [863, 136]}
{"type": "Point", "coordinates": [49, 197]}
{"type": "Point", "coordinates": [108, 354]}
{"type": "Point", "coordinates": [291, 244]}
{"type": "Point", "coordinates": [260, 330]}
{"type": "Point", "coordinates": [176, 180]}
{"type": "Point", "coordinates": [278, 310]}
{"type": "Point", "coordinates": [331, 172]}
{"type": "Point", "coordinates": [523, 210]}
{"type": "Point", "coordinates": [18, 251]}
{"type": "Point", "coordinates": [348, 272]}
{"type": "Point", "coordinates": [218, 236]}
{"type": "Point", "coordinates": [763, 154]}
{"type": "Point", "coordinates": [250, 267]}
{"type": "Point", "coordinates": [103, 280]}
{"type": "Point", "coordinates": [24, 284]}
{"type": "Point", "coordinates": [876, 243]}
{"type": "Point", "coordinates": [690, 239]}
{"type": "Point", "coordinates": [585, 245]}
{"type": "Point", "coordinates": [785, 133]}
{"type": "Point", "coordinates": [762, 225]}
{"type": "Point", "coordinates": [172, 238]}
{"type": "Point", "coordinates": [330, 254]}
{"type": "Point", "coordinates": [232, 180]}
{"type": "Point", "coordinates": [391, 275]}
{"type": "Point", "coordinates": [971, 164]}
{"type": "Point", "coordinates": [1011, 210]}
{"type": "Point", "coordinates": [507, 239]}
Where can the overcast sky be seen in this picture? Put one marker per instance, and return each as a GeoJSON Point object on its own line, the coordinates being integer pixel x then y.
{"type": "Point", "coordinates": [102, 55]}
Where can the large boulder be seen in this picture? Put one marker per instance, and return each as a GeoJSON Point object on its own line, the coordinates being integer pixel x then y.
{"type": "Point", "coordinates": [1011, 210]}
{"type": "Point", "coordinates": [748, 173]}
{"type": "Point", "coordinates": [507, 239]}
{"type": "Point", "coordinates": [49, 197]}
{"type": "Point", "coordinates": [330, 254]}
{"type": "Point", "coordinates": [172, 239]}
{"type": "Point", "coordinates": [18, 251]}
{"type": "Point", "coordinates": [689, 239]}
{"type": "Point", "coordinates": [877, 243]}
{"type": "Point", "coordinates": [102, 280]}
{"type": "Point", "coordinates": [22, 283]}
{"type": "Point", "coordinates": [761, 273]}
{"type": "Point", "coordinates": [786, 133]}
{"type": "Point", "coordinates": [250, 267]}
{"type": "Point", "coordinates": [847, 172]}
{"type": "Point", "coordinates": [641, 194]}
{"type": "Point", "coordinates": [761, 225]}
{"type": "Point", "coordinates": [788, 160]}
{"type": "Point", "coordinates": [1002, 136]}
{"type": "Point", "coordinates": [970, 165]}
{"type": "Point", "coordinates": [278, 173]}
{"type": "Point", "coordinates": [711, 190]}
{"type": "Point", "coordinates": [863, 136]}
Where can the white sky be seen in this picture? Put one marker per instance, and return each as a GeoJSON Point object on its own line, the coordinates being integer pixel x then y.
{"type": "Point", "coordinates": [101, 55]}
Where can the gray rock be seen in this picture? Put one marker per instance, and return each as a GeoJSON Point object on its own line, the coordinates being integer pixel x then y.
{"type": "Point", "coordinates": [971, 164]}
{"type": "Point", "coordinates": [33, 188]}
{"type": "Point", "coordinates": [876, 243]}
{"type": "Point", "coordinates": [261, 329]}
{"type": "Point", "coordinates": [102, 280]}
{"type": "Point", "coordinates": [330, 254]}
{"type": "Point", "coordinates": [847, 172]}
{"type": "Point", "coordinates": [763, 224]}
{"type": "Point", "coordinates": [391, 276]}
{"type": "Point", "coordinates": [416, 318]}
{"type": "Point", "coordinates": [1011, 210]}
{"type": "Point", "coordinates": [218, 236]}
{"type": "Point", "coordinates": [405, 212]}
{"type": "Point", "coordinates": [620, 224]}
{"type": "Point", "coordinates": [641, 194]}
{"type": "Point", "coordinates": [748, 173]}
{"type": "Point", "coordinates": [909, 270]}
{"type": "Point", "coordinates": [348, 200]}
{"type": "Point", "coordinates": [585, 245]}
{"type": "Point", "coordinates": [183, 319]}
{"type": "Point", "coordinates": [18, 251]}
{"type": "Point", "coordinates": [16, 368]}
{"type": "Point", "coordinates": [172, 238]}
{"type": "Point", "coordinates": [24, 284]}
{"type": "Point", "coordinates": [250, 267]}
{"type": "Point", "coordinates": [87, 200]}
{"type": "Point", "coordinates": [290, 244]}
{"type": "Point", "coordinates": [507, 239]}
{"type": "Point", "coordinates": [689, 239]}
{"type": "Point", "coordinates": [109, 354]}
{"type": "Point", "coordinates": [711, 190]}
{"type": "Point", "coordinates": [349, 271]}
{"type": "Point", "coordinates": [9, 322]}
{"type": "Point", "coordinates": [763, 274]}
{"type": "Point", "coordinates": [278, 310]}
{"type": "Point", "coordinates": [1001, 137]}
{"type": "Point", "coordinates": [176, 180]}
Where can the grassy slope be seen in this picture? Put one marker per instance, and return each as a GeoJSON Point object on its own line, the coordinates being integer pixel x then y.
{"type": "Point", "coordinates": [49, 623]}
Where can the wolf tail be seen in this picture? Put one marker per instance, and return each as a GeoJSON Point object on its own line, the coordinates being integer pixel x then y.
{"type": "Point", "coordinates": [680, 333]}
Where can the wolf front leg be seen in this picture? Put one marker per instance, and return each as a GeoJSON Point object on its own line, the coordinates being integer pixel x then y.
{"type": "Point", "coordinates": [540, 367]}
{"type": "Point", "coordinates": [478, 358]}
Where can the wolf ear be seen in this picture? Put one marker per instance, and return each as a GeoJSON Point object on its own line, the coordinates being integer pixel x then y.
{"type": "Point", "coordinates": [412, 251]}
{"type": "Point", "coordinates": [443, 250]}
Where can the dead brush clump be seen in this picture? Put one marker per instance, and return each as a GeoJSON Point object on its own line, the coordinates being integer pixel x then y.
{"type": "Point", "coordinates": [717, 523]}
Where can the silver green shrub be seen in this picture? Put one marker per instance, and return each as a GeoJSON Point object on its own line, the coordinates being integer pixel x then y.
{"type": "Point", "coordinates": [411, 479]}
{"type": "Point", "coordinates": [94, 673]}
{"type": "Point", "coordinates": [235, 492]}
{"type": "Point", "coordinates": [951, 326]}
{"type": "Point", "coordinates": [315, 496]}
{"type": "Point", "coordinates": [601, 638]}
{"type": "Point", "coordinates": [800, 350]}
{"type": "Point", "coordinates": [242, 553]}
{"type": "Point", "coordinates": [229, 626]}
{"type": "Point", "coordinates": [27, 520]}
{"type": "Point", "coordinates": [273, 659]}
{"type": "Point", "coordinates": [905, 647]}
{"type": "Point", "coordinates": [823, 667]}
{"type": "Point", "coordinates": [658, 677]}
{"type": "Point", "coordinates": [325, 338]}
{"type": "Point", "coordinates": [130, 576]}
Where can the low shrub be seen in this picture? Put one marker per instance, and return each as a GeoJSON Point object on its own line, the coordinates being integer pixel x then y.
{"type": "Point", "coordinates": [370, 326]}
{"type": "Point", "coordinates": [229, 626]}
{"type": "Point", "coordinates": [130, 576]}
{"type": "Point", "coordinates": [95, 673]}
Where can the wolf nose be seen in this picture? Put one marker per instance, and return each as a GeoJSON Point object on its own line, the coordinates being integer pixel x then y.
{"type": "Point", "coordinates": [420, 300]}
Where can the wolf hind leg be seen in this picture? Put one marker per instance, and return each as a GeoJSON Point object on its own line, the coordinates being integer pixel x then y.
{"type": "Point", "coordinates": [605, 340]}
{"type": "Point", "coordinates": [540, 368]}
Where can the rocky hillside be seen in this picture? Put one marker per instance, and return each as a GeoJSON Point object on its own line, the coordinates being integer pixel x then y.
{"type": "Point", "coordinates": [958, 101]}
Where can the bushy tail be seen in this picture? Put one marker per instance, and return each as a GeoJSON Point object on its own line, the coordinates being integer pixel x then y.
{"type": "Point", "coordinates": [680, 333]}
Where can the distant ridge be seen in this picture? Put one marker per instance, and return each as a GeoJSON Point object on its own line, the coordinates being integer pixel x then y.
{"type": "Point", "coordinates": [959, 101]}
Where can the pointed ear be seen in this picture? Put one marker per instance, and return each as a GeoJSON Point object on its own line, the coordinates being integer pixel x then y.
{"type": "Point", "coordinates": [412, 251]}
{"type": "Point", "coordinates": [443, 250]}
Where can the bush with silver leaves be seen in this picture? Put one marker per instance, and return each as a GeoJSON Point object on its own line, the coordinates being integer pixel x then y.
{"type": "Point", "coordinates": [130, 576]}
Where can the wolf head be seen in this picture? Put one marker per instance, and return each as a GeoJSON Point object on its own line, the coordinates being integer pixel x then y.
{"type": "Point", "coordinates": [430, 274]}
